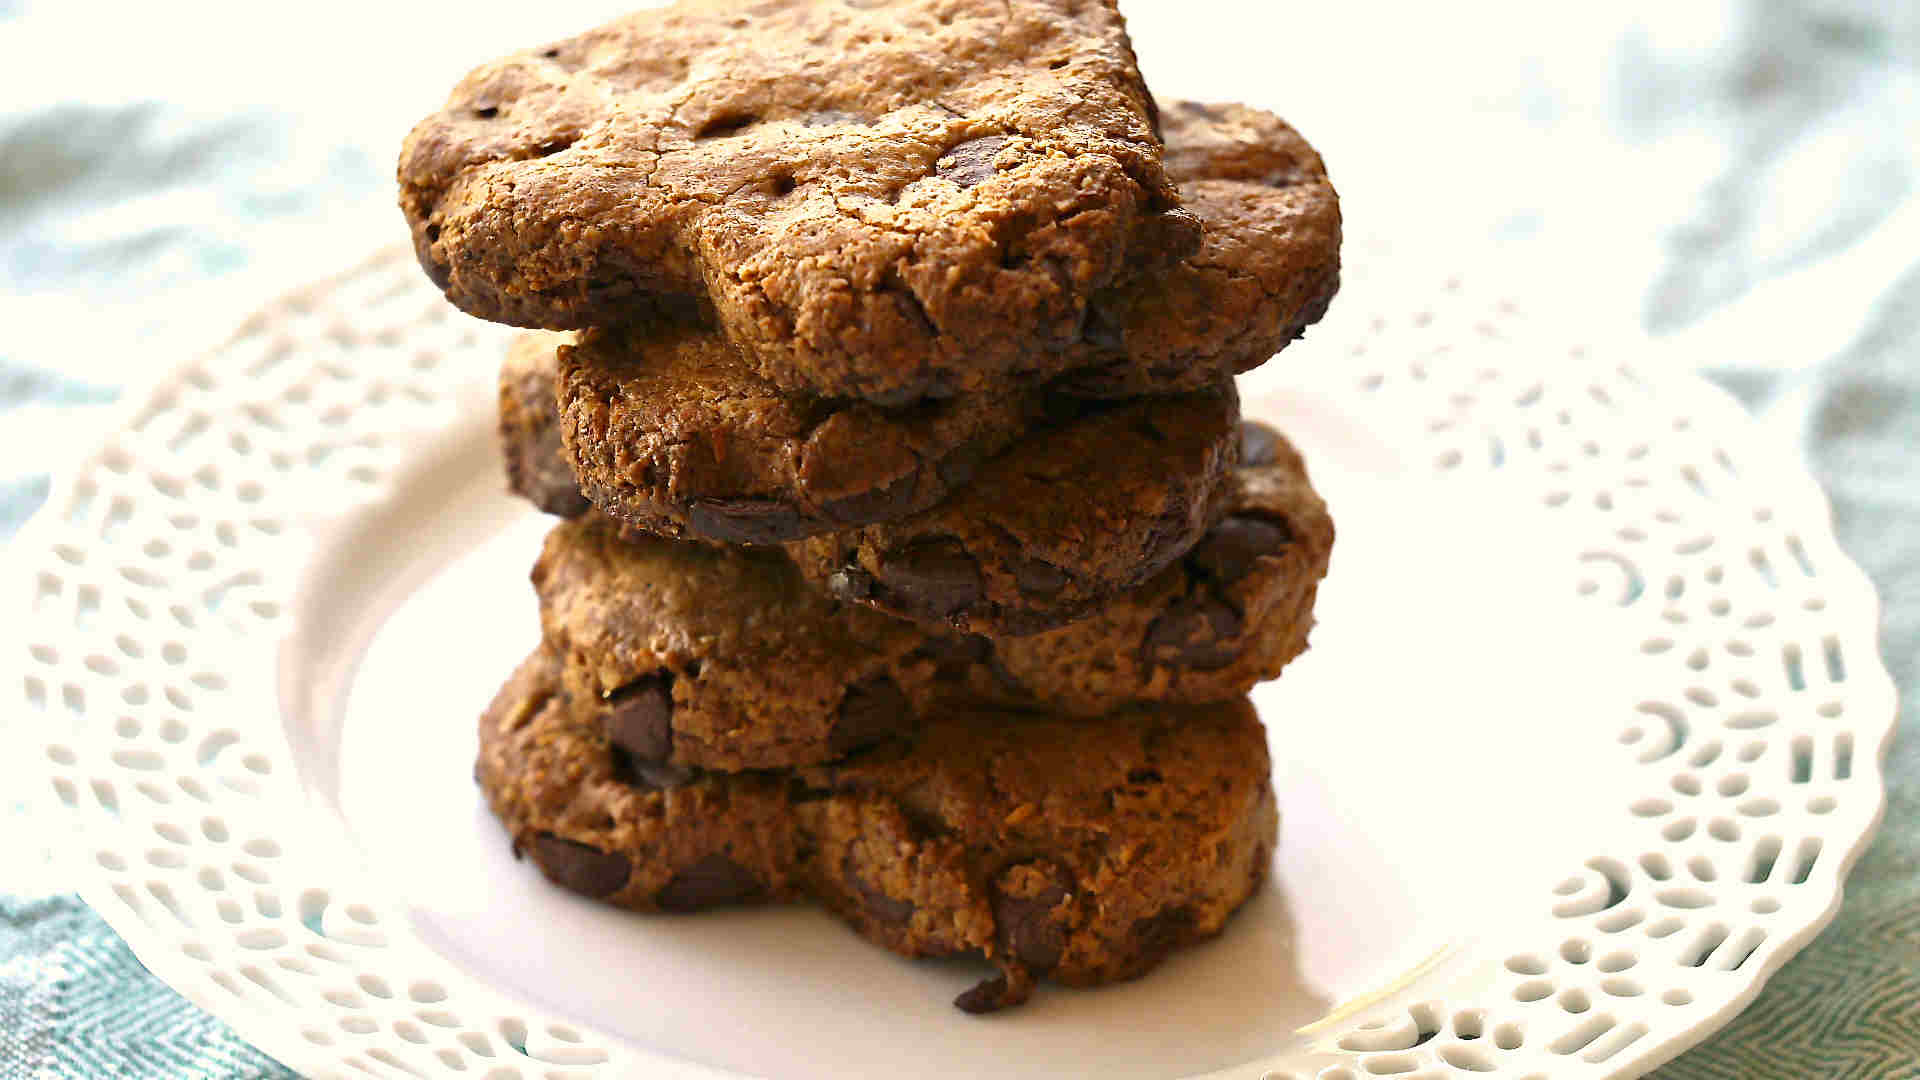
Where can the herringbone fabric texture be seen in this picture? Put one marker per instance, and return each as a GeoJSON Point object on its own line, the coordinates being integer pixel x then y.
{"type": "Point", "coordinates": [75, 1003]}
{"type": "Point", "coordinates": [1849, 1006]}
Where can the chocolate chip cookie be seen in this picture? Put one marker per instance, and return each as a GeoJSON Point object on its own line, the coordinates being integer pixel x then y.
{"type": "Point", "coordinates": [537, 467]}
{"type": "Point", "coordinates": [671, 431]}
{"type": "Point", "coordinates": [1230, 613]}
{"type": "Point", "coordinates": [1266, 270]}
{"type": "Point", "coordinates": [1059, 522]}
{"type": "Point", "coordinates": [1082, 850]}
{"type": "Point", "coordinates": [696, 655]}
{"type": "Point", "coordinates": [879, 200]}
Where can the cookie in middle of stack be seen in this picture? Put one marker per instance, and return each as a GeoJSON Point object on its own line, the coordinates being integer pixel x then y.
{"type": "Point", "coordinates": [714, 657]}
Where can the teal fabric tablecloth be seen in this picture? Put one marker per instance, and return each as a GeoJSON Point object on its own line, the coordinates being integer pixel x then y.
{"type": "Point", "coordinates": [1744, 176]}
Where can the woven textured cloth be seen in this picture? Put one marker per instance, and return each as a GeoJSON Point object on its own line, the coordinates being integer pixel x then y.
{"type": "Point", "coordinates": [1849, 1006]}
{"type": "Point", "coordinates": [1742, 177]}
{"type": "Point", "coordinates": [74, 1002]}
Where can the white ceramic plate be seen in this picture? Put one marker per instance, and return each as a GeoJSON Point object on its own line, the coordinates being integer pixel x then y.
{"type": "Point", "coordinates": [1588, 737]}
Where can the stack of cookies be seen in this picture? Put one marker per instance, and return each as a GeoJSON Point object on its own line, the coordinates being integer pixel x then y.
{"type": "Point", "coordinates": [916, 558]}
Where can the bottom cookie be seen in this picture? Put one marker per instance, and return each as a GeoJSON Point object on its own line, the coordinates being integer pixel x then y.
{"type": "Point", "coordinates": [1077, 849]}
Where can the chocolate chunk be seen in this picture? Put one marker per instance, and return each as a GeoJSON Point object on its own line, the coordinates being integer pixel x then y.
{"type": "Point", "coordinates": [1196, 634]}
{"type": "Point", "coordinates": [1161, 933]}
{"type": "Point", "coordinates": [1259, 444]}
{"type": "Point", "coordinates": [640, 719]}
{"type": "Point", "coordinates": [991, 995]}
{"type": "Point", "coordinates": [1025, 899]}
{"type": "Point", "coordinates": [972, 161]}
{"type": "Point", "coordinates": [1229, 549]}
{"type": "Point", "coordinates": [711, 882]}
{"type": "Point", "coordinates": [850, 584]}
{"type": "Point", "coordinates": [650, 775]}
{"type": "Point", "coordinates": [578, 867]}
{"type": "Point", "coordinates": [883, 503]}
{"type": "Point", "coordinates": [871, 711]}
{"type": "Point", "coordinates": [1038, 576]}
{"type": "Point", "coordinates": [933, 577]}
{"type": "Point", "coordinates": [746, 521]}
{"type": "Point", "coordinates": [878, 904]}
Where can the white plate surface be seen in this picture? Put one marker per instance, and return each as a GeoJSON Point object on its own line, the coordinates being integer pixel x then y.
{"type": "Point", "coordinates": [1589, 733]}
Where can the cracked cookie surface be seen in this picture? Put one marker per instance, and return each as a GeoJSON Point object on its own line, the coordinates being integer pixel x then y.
{"type": "Point", "coordinates": [882, 200]}
{"type": "Point", "coordinates": [1081, 850]}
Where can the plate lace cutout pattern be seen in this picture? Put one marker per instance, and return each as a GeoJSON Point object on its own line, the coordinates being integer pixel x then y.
{"type": "Point", "coordinates": [1735, 607]}
{"type": "Point", "coordinates": [156, 596]}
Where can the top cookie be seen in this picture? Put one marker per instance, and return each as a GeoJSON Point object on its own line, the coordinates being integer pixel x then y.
{"type": "Point", "coordinates": [878, 199]}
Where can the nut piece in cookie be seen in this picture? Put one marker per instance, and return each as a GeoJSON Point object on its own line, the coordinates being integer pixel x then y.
{"type": "Point", "coordinates": [883, 201]}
